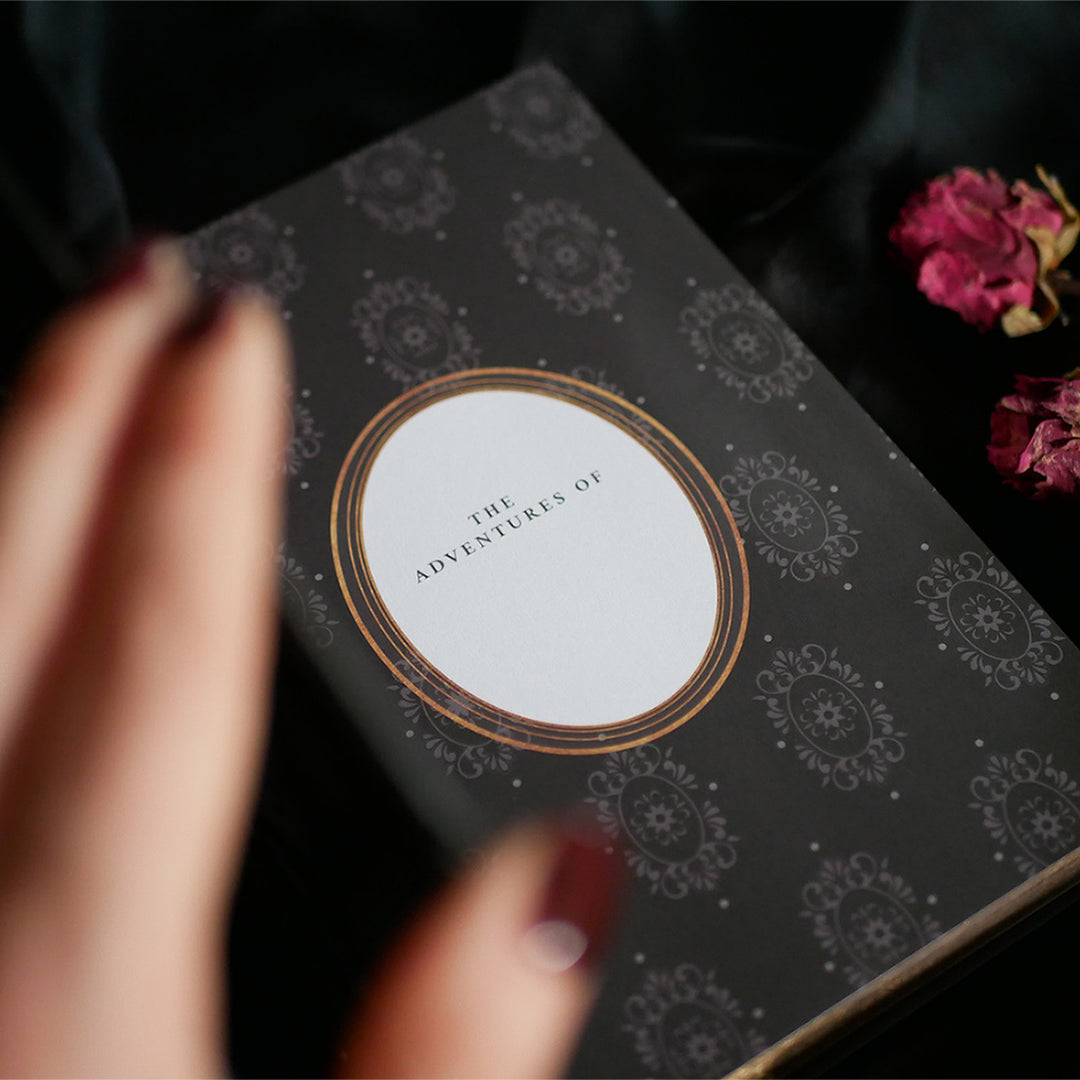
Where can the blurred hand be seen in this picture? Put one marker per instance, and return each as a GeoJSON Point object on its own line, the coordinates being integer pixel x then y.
{"type": "Point", "coordinates": [140, 511]}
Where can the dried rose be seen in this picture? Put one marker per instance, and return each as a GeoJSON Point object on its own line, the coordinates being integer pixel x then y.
{"type": "Point", "coordinates": [986, 250]}
{"type": "Point", "coordinates": [1035, 436]}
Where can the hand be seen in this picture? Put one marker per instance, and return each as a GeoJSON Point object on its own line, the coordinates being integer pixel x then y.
{"type": "Point", "coordinates": [140, 509]}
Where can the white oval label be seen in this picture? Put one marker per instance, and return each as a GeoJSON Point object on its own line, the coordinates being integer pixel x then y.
{"type": "Point", "coordinates": [542, 561]}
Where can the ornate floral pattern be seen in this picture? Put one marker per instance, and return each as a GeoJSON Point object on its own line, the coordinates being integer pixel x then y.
{"type": "Point", "coordinates": [677, 844]}
{"type": "Point", "coordinates": [567, 256]}
{"type": "Point", "coordinates": [598, 377]}
{"type": "Point", "coordinates": [304, 441]}
{"type": "Point", "coordinates": [1030, 805]}
{"type": "Point", "coordinates": [542, 113]}
{"type": "Point", "coordinates": [865, 915]}
{"type": "Point", "coordinates": [816, 701]}
{"type": "Point", "coordinates": [247, 250]}
{"type": "Point", "coordinates": [464, 752]}
{"type": "Point", "coordinates": [398, 184]}
{"type": "Point", "coordinates": [793, 524]}
{"type": "Point", "coordinates": [683, 1024]}
{"type": "Point", "coordinates": [754, 352]}
{"type": "Point", "coordinates": [304, 604]}
{"type": "Point", "coordinates": [408, 328]}
{"type": "Point", "coordinates": [997, 632]}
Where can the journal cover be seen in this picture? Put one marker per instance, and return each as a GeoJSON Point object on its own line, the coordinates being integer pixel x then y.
{"type": "Point", "coordinates": [573, 516]}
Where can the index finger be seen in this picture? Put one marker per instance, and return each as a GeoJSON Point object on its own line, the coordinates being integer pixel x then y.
{"type": "Point", "coordinates": [58, 441]}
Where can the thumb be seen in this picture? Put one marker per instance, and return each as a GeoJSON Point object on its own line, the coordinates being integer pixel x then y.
{"type": "Point", "coordinates": [496, 978]}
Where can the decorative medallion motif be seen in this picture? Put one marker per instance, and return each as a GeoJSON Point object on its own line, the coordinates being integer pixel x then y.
{"type": "Point", "coordinates": [467, 753]}
{"type": "Point", "coordinates": [542, 113]}
{"type": "Point", "coordinates": [567, 256]}
{"type": "Point", "coordinates": [398, 184]}
{"type": "Point", "coordinates": [304, 603]}
{"type": "Point", "coordinates": [683, 1024]}
{"type": "Point", "coordinates": [755, 353]}
{"type": "Point", "coordinates": [793, 524]}
{"type": "Point", "coordinates": [815, 701]}
{"type": "Point", "coordinates": [865, 915]}
{"type": "Point", "coordinates": [1030, 806]}
{"type": "Point", "coordinates": [996, 630]}
{"type": "Point", "coordinates": [677, 844]}
{"type": "Point", "coordinates": [247, 250]}
{"type": "Point", "coordinates": [598, 377]}
{"type": "Point", "coordinates": [408, 328]}
{"type": "Point", "coordinates": [304, 441]}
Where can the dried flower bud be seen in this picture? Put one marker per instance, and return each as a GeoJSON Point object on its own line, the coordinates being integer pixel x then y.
{"type": "Point", "coordinates": [986, 250]}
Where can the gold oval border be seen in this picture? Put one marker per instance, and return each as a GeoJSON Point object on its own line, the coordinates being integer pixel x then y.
{"type": "Point", "coordinates": [453, 701]}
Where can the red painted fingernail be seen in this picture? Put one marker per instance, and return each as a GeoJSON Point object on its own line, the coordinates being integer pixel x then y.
{"type": "Point", "coordinates": [127, 267]}
{"type": "Point", "coordinates": [581, 904]}
{"type": "Point", "coordinates": [207, 314]}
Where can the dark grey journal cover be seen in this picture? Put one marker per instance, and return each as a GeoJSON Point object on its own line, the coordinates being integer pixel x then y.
{"type": "Point", "coordinates": [833, 737]}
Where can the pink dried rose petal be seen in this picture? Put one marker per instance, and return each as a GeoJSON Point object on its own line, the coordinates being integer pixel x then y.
{"type": "Point", "coordinates": [1033, 209]}
{"type": "Point", "coordinates": [987, 186]}
{"type": "Point", "coordinates": [1035, 437]}
{"type": "Point", "coordinates": [954, 280]}
{"type": "Point", "coordinates": [1061, 467]}
{"type": "Point", "coordinates": [1010, 432]}
{"type": "Point", "coordinates": [974, 225]}
{"type": "Point", "coordinates": [1048, 436]}
{"type": "Point", "coordinates": [1066, 403]}
{"type": "Point", "coordinates": [1038, 388]}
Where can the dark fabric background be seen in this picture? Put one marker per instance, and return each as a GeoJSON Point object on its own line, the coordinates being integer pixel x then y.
{"type": "Point", "coordinates": [791, 133]}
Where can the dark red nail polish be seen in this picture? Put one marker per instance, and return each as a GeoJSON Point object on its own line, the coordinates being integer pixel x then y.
{"type": "Point", "coordinates": [580, 906]}
{"type": "Point", "coordinates": [207, 314]}
{"type": "Point", "coordinates": [128, 266]}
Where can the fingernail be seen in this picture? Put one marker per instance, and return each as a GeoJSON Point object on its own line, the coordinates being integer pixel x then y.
{"type": "Point", "coordinates": [129, 266]}
{"type": "Point", "coordinates": [581, 903]}
{"type": "Point", "coordinates": [207, 315]}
